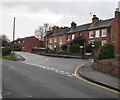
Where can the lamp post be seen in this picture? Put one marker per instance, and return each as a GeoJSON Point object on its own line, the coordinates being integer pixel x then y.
{"type": "Point", "coordinates": [93, 46]}
{"type": "Point", "coordinates": [83, 50]}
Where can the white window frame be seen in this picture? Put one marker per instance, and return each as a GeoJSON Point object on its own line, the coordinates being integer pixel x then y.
{"type": "Point", "coordinates": [104, 32]}
{"type": "Point", "coordinates": [73, 36]}
{"type": "Point", "coordinates": [50, 46]}
{"type": "Point", "coordinates": [80, 34]}
{"type": "Point", "coordinates": [50, 40]}
{"type": "Point", "coordinates": [91, 41]}
{"type": "Point", "coordinates": [91, 34]}
{"type": "Point", "coordinates": [55, 39]}
{"type": "Point", "coordinates": [23, 41]}
{"type": "Point", "coordinates": [68, 37]}
{"type": "Point", "coordinates": [55, 46]}
{"type": "Point", "coordinates": [97, 33]}
{"type": "Point", "coordinates": [60, 39]}
{"type": "Point", "coordinates": [103, 42]}
{"type": "Point", "coordinates": [19, 42]}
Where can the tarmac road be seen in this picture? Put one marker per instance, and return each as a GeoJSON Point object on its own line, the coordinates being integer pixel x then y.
{"type": "Point", "coordinates": [21, 80]}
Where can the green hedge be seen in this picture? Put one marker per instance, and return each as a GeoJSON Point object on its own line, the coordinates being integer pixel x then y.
{"type": "Point", "coordinates": [74, 48]}
{"type": "Point", "coordinates": [106, 51]}
{"type": "Point", "coordinates": [6, 51]}
{"type": "Point", "coordinates": [64, 47]}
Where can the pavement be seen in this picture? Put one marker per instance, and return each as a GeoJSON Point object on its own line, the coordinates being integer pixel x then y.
{"type": "Point", "coordinates": [91, 74]}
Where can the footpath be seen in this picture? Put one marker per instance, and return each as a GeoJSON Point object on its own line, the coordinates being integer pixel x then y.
{"type": "Point", "coordinates": [93, 75]}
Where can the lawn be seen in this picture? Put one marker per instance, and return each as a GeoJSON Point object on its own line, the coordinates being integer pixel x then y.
{"type": "Point", "coordinates": [10, 57]}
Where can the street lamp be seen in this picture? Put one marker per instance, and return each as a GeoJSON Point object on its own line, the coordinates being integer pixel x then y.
{"type": "Point", "coordinates": [83, 50]}
{"type": "Point", "coordinates": [93, 46]}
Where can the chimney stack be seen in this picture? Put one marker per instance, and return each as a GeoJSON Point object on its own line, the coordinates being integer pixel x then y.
{"type": "Point", "coordinates": [95, 19]}
{"type": "Point", "coordinates": [73, 24]}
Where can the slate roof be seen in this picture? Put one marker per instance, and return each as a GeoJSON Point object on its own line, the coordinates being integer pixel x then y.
{"type": "Point", "coordinates": [84, 27]}
{"type": "Point", "coordinates": [101, 23]}
{"type": "Point", "coordinates": [60, 32]}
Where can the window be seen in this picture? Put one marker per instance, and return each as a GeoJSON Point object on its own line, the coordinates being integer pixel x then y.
{"type": "Point", "coordinates": [18, 41]}
{"type": "Point", "coordinates": [68, 38]}
{"type": "Point", "coordinates": [55, 46]}
{"type": "Point", "coordinates": [73, 36]}
{"type": "Point", "coordinates": [23, 41]}
{"type": "Point", "coordinates": [103, 42]}
{"type": "Point", "coordinates": [104, 33]}
{"type": "Point", "coordinates": [50, 40]}
{"type": "Point", "coordinates": [91, 34]}
{"type": "Point", "coordinates": [55, 39]}
{"type": "Point", "coordinates": [91, 41]}
{"type": "Point", "coordinates": [50, 46]}
{"type": "Point", "coordinates": [60, 38]}
{"type": "Point", "coordinates": [80, 34]}
{"type": "Point", "coordinates": [97, 33]}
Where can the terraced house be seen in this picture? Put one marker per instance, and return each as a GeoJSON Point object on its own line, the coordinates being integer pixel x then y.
{"type": "Point", "coordinates": [105, 31]}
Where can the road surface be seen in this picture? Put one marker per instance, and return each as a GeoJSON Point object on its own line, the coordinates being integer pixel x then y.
{"type": "Point", "coordinates": [24, 80]}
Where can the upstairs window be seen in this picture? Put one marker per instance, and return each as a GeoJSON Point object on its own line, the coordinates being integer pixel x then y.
{"type": "Point", "coordinates": [55, 39]}
{"type": "Point", "coordinates": [18, 41]}
{"type": "Point", "coordinates": [104, 33]}
{"type": "Point", "coordinates": [97, 34]}
{"type": "Point", "coordinates": [80, 34]}
{"type": "Point", "coordinates": [73, 36]}
{"type": "Point", "coordinates": [60, 38]}
{"type": "Point", "coordinates": [68, 38]}
{"type": "Point", "coordinates": [50, 40]}
{"type": "Point", "coordinates": [91, 34]}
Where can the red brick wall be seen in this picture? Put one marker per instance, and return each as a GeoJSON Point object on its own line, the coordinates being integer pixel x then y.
{"type": "Point", "coordinates": [28, 44]}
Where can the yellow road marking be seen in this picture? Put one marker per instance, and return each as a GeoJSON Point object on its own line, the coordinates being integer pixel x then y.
{"type": "Point", "coordinates": [75, 74]}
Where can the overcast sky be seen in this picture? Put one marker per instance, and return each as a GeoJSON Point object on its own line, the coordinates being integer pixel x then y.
{"type": "Point", "coordinates": [30, 15]}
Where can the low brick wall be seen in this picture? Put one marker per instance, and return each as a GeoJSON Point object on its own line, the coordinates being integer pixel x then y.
{"type": "Point", "coordinates": [107, 68]}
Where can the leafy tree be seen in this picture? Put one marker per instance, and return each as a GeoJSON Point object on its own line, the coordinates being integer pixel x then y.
{"type": "Point", "coordinates": [78, 40]}
{"type": "Point", "coordinates": [88, 48]}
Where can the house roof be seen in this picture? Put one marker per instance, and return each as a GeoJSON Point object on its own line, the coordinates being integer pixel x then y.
{"type": "Point", "coordinates": [60, 32]}
{"type": "Point", "coordinates": [101, 23]}
{"type": "Point", "coordinates": [84, 27]}
{"type": "Point", "coordinates": [21, 39]}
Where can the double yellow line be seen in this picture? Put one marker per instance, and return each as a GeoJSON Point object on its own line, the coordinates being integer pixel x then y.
{"type": "Point", "coordinates": [75, 73]}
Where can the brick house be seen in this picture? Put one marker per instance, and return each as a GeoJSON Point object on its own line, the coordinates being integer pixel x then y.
{"type": "Point", "coordinates": [104, 31]}
{"type": "Point", "coordinates": [27, 44]}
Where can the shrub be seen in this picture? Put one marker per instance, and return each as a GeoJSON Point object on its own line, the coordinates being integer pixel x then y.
{"type": "Point", "coordinates": [88, 48]}
{"type": "Point", "coordinates": [6, 51]}
{"type": "Point", "coordinates": [74, 48]}
{"type": "Point", "coordinates": [106, 51]}
{"type": "Point", "coordinates": [64, 47]}
{"type": "Point", "coordinates": [17, 49]}
{"type": "Point", "coordinates": [78, 40]}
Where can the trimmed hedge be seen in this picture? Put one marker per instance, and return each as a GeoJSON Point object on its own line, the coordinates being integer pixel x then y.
{"type": "Point", "coordinates": [64, 47]}
{"type": "Point", "coordinates": [106, 51]}
{"type": "Point", "coordinates": [74, 48]}
{"type": "Point", "coordinates": [6, 51]}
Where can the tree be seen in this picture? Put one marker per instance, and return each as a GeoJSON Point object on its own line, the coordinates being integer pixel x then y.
{"type": "Point", "coordinates": [4, 39]}
{"type": "Point", "coordinates": [41, 31]}
{"type": "Point", "coordinates": [64, 47]}
{"type": "Point", "coordinates": [78, 40]}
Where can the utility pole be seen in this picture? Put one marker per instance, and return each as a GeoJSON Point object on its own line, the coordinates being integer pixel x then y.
{"type": "Point", "coordinates": [13, 33]}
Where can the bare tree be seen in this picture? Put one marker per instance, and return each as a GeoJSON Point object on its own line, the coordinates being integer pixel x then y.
{"type": "Point", "coordinates": [41, 31]}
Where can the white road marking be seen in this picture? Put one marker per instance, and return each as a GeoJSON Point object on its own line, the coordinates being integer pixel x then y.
{"type": "Point", "coordinates": [52, 69]}
{"type": "Point", "coordinates": [30, 96]}
{"type": "Point", "coordinates": [0, 96]}
{"type": "Point", "coordinates": [12, 66]}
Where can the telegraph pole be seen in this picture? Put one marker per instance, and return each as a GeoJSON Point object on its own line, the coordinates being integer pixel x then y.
{"type": "Point", "coordinates": [13, 33]}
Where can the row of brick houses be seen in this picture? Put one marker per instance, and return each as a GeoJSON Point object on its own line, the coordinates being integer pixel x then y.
{"type": "Point", "coordinates": [106, 31]}
{"type": "Point", "coordinates": [27, 44]}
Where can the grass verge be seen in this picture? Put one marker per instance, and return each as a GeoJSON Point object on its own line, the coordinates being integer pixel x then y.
{"type": "Point", "coordinates": [10, 57]}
